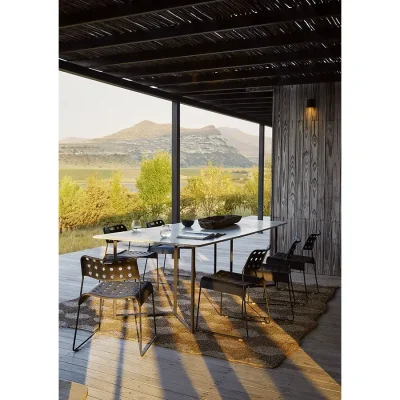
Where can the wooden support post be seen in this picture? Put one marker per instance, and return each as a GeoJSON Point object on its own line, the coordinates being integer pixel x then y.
{"type": "Point", "coordinates": [261, 145]}
{"type": "Point", "coordinates": [176, 161]}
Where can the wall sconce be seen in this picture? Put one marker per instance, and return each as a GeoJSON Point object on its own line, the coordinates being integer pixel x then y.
{"type": "Point", "coordinates": [310, 103]}
{"type": "Point", "coordinates": [311, 112]}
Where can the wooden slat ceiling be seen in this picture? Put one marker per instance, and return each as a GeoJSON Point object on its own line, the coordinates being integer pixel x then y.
{"type": "Point", "coordinates": [222, 55]}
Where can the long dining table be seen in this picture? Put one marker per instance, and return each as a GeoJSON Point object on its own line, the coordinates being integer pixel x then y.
{"type": "Point", "coordinates": [246, 226]}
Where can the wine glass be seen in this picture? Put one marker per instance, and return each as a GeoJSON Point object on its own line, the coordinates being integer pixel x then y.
{"type": "Point", "coordinates": [165, 231]}
{"type": "Point", "coordinates": [136, 225]}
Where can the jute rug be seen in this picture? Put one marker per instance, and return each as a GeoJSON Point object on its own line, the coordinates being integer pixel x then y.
{"type": "Point", "coordinates": [268, 344]}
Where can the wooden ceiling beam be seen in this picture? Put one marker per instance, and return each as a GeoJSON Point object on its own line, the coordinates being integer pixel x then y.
{"type": "Point", "coordinates": [199, 66]}
{"type": "Point", "coordinates": [246, 80]}
{"type": "Point", "coordinates": [270, 82]}
{"type": "Point", "coordinates": [201, 27]}
{"type": "Point", "coordinates": [262, 97]}
{"type": "Point", "coordinates": [212, 48]}
{"type": "Point", "coordinates": [138, 7]}
{"type": "Point", "coordinates": [226, 103]}
{"type": "Point", "coordinates": [232, 93]}
{"type": "Point", "coordinates": [246, 74]}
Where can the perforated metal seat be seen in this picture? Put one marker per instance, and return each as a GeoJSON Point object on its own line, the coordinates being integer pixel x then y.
{"type": "Point", "coordinates": [120, 290]}
{"type": "Point", "coordinates": [116, 282]}
{"type": "Point", "coordinates": [129, 253]}
{"type": "Point", "coordinates": [298, 262]}
{"type": "Point", "coordinates": [236, 284]}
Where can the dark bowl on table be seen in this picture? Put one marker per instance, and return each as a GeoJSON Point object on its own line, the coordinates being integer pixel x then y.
{"type": "Point", "coordinates": [187, 222]}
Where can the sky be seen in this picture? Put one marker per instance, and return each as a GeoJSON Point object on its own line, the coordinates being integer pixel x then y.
{"type": "Point", "coordinates": [89, 109]}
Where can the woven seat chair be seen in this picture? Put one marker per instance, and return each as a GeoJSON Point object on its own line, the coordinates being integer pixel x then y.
{"type": "Point", "coordinates": [116, 282]}
{"type": "Point", "coordinates": [278, 270]}
{"type": "Point", "coordinates": [236, 284]}
{"type": "Point", "coordinates": [129, 253]}
{"type": "Point", "coordinates": [298, 262]}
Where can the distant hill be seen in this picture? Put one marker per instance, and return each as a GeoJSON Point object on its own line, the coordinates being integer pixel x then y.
{"type": "Point", "coordinates": [245, 143]}
{"type": "Point", "coordinates": [128, 146]}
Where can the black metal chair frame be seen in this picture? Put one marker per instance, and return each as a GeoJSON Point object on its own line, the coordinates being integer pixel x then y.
{"type": "Point", "coordinates": [298, 262]}
{"type": "Point", "coordinates": [115, 283]}
{"type": "Point", "coordinates": [128, 253]}
{"type": "Point", "coordinates": [161, 249]}
{"type": "Point", "coordinates": [236, 284]}
{"type": "Point", "coordinates": [279, 270]}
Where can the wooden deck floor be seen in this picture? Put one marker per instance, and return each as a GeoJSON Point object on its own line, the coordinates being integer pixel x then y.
{"type": "Point", "coordinates": [112, 368]}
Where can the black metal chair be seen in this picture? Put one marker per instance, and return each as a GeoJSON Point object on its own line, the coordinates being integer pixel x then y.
{"type": "Point", "coordinates": [159, 248]}
{"type": "Point", "coordinates": [128, 253]}
{"type": "Point", "coordinates": [236, 284]}
{"type": "Point", "coordinates": [278, 270]}
{"type": "Point", "coordinates": [298, 262]}
{"type": "Point", "coordinates": [116, 282]}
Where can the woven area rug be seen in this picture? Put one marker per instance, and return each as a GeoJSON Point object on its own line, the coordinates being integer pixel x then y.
{"type": "Point", "coordinates": [268, 344]}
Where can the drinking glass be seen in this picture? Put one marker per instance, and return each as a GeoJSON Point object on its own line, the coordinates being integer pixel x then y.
{"type": "Point", "coordinates": [136, 225]}
{"type": "Point", "coordinates": [165, 231]}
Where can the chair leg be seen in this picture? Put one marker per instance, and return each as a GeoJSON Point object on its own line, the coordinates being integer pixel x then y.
{"type": "Point", "coordinates": [198, 309]}
{"type": "Point", "coordinates": [76, 328]}
{"type": "Point", "coordinates": [105, 253]}
{"type": "Point", "coordinates": [154, 315]}
{"type": "Point", "coordinates": [143, 351]}
{"type": "Point", "coordinates": [145, 266]}
{"type": "Point", "coordinates": [101, 311]}
{"type": "Point", "coordinates": [266, 301]}
{"type": "Point", "coordinates": [291, 304]}
{"type": "Point", "coordinates": [140, 329]}
{"type": "Point", "coordinates": [316, 279]}
{"type": "Point", "coordinates": [290, 285]}
{"type": "Point", "coordinates": [158, 275]}
{"type": "Point", "coordinates": [245, 314]}
{"type": "Point", "coordinates": [305, 284]}
{"type": "Point", "coordinates": [129, 246]}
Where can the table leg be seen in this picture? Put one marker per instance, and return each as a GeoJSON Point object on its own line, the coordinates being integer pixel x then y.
{"type": "Point", "coordinates": [276, 241]}
{"type": "Point", "coordinates": [192, 289]}
{"type": "Point", "coordinates": [231, 257]}
{"type": "Point", "coordinates": [115, 249]}
{"type": "Point", "coordinates": [215, 258]}
{"type": "Point", "coordinates": [176, 266]}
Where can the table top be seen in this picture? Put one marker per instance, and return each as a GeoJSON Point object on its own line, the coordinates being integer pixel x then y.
{"type": "Point", "coordinates": [247, 226]}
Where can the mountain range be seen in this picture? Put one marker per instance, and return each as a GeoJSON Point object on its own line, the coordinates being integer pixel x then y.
{"type": "Point", "coordinates": [224, 146]}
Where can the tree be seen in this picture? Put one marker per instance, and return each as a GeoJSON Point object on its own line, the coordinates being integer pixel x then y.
{"type": "Point", "coordinates": [251, 190]}
{"type": "Point", "coordinates": [70, 201]}
{"type": "Point", "coordinates": [119, 195]}
{"type": "Point", "coordinates": [210, 189]}
{"type": "Point", "coordinates": [154, 183]}
{"type": "Point", "coordinates": [96, 204]}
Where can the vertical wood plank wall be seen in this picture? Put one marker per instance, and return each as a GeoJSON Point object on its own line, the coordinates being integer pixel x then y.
{"type": "Point", "coordinates": [306, 169]}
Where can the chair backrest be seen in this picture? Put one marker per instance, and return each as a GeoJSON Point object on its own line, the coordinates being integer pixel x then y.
{"type": "Point", "coordinates": [152, 224]}
{"type": "Point", "coordinates": [254, 261]}
{"type": "Point", "coordinates": [122, 269]}
{"type": "Point", "coordinates": [113, 229]}
{"type": "Point", "coordinates": [309, 244]}
{"type": "Point", "coordinates": [296, 241]}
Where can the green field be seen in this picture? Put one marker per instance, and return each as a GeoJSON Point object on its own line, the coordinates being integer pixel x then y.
{"type": "Point", "coordinates": [238, 175]}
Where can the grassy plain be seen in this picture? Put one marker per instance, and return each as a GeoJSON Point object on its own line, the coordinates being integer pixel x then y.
{"type": "Point", "coordinates": [80, 174]}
